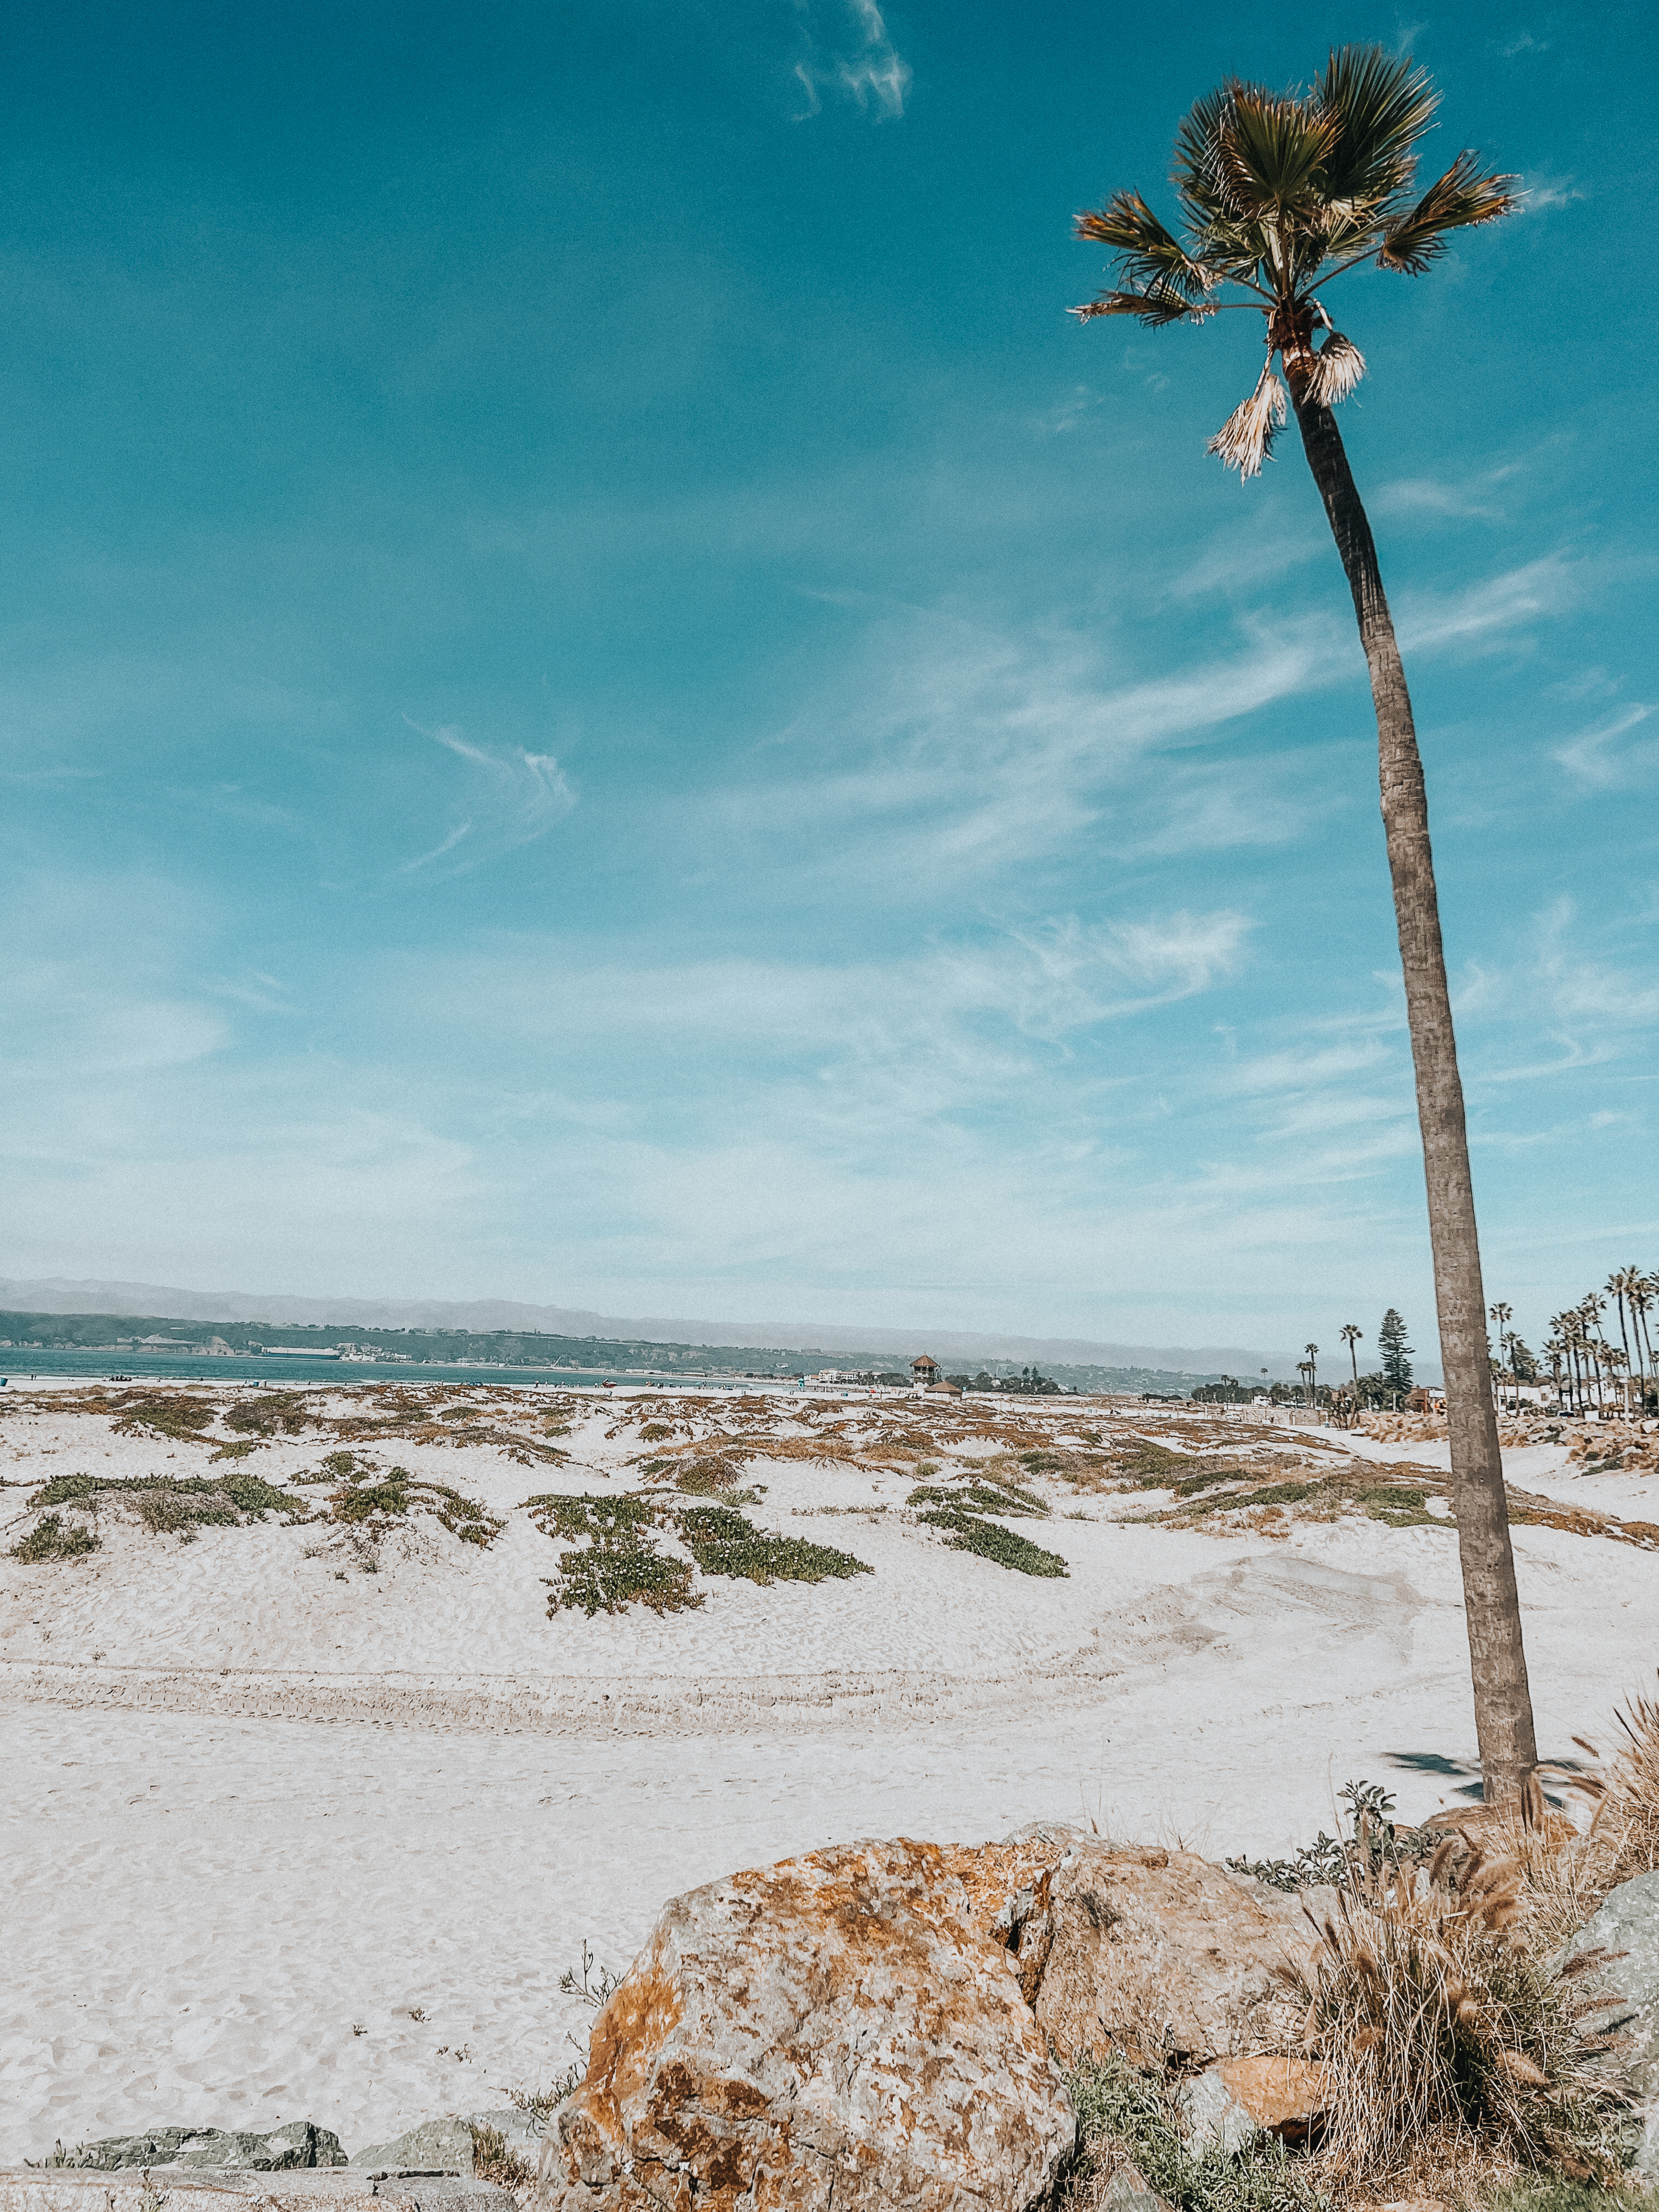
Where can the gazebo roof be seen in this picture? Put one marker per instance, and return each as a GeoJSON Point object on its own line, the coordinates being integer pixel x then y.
{"type": "Point", "coordinates": [924, 1359]}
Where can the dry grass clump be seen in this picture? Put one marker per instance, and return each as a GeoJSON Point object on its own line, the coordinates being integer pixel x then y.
{"type": "Point", "coordinates": [1446, 2036]}
{"type": "Point", "coordinates": [1624, 1832]}
{"type": "Point", "coordinates": [494, 2160]}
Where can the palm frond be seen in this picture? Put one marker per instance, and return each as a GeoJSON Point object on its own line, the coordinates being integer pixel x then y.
{"type": "Point", "coordinates": [1196, 172]}
{"type": "Point", "coordinates": [1272, 153]}
{"type": "Point", "coordinates": [1156, 307]}
{"type": "Point", "coordinates": [1380, 106]}
{"type": "Point", "coordinates": [1463, 197]}
{"type": "Point", "coordinates": [1338, 367]}
{"type": "Point", "coordinates": [1246, 438]}
{"type": "Point", "coordinates": [1150, 258]}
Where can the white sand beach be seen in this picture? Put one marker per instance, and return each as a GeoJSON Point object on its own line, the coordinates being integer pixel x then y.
{"type": "Point", "coordinates": [286, 1837]}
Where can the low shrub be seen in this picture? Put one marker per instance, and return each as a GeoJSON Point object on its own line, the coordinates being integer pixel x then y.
{"type": "Point", "coordinates": [989, 1540]}
{"type": "Point", "coordinates": [53, 1538]}
{"type": "Point", "coordinates": [978, 1495]}
{"type": "Point", "coordinates": [175, 1505]}
{"type": "Point", "coordinates": [617, 1564]}
{"type": "Point", "coordinates": [280, 1413]}
{"type": "Point", "coordinates": [399, 1494]}
{"type": "Point", "coordinates": [180, 1418]}
{"type": "Point", "coordinates": [722, 1542]}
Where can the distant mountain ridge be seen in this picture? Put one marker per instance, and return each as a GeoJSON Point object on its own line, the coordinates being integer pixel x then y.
{"type": "Point", "coordinates": [59, 1295]}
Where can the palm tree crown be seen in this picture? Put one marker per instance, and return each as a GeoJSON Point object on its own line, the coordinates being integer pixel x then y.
{"type": "Point", "coordinates": [1280, 192]}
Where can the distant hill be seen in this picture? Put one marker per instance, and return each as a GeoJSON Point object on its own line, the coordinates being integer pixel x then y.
{"type": "Point", "coordinates": [149, 1309]}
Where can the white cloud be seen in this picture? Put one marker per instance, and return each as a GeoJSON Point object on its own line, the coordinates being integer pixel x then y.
{"type": "Point", "coordinates": [1410, 496]}
{"type": "Point", "coordinates": [858, 62]}
{"type": "Point", "coordinates": [1540, 194]}
{"type": "Point", "coordinates": [516, 798]}
{"type": "Point", "coordinates": [1490, 609]}
{"type": "Point", "coordinates": [1596, 757]}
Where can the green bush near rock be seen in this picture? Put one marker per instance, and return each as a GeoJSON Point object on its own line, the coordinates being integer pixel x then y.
{"type": "Point", "coordinates": [1127, 2118]}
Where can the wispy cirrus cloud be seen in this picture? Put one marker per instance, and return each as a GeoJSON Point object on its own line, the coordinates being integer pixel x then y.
{"type": "Point", "coordinates": [1596, 757]}
{"type": "Point", "coordinates": [860, 62]}
{"type": "Point", "coordinates": [950, 748]}
{"type": "Point", "coordinates": [515, 796]}
{"type": "Point", "coordinates": [1540, 194]}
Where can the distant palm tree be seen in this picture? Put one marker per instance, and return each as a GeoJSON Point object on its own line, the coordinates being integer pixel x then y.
{"type": "Point", "coordinates": [1351, 1334]}
{"type": "Point", "coordinates": [1624, 1283]}
{"type": "Point", "coordinates": [1501, 1314]}
{"type": "Point", "coordinates": [1279, 194]}
{"type": "Point", "coordinates": [1312, 1351]}
{"type": "Point", "coordinates": [1554, 1351]}
{"type": "Point", "coordinates": [1591, 1307]}
{"type": "Point", "coordinates": [1641, 1295]}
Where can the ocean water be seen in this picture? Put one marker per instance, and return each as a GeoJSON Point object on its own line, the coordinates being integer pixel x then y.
{"type": "Point", "coordinates": [19, 1363]}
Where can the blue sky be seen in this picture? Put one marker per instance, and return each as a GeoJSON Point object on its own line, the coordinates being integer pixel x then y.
{"type": "Point", "coordinates": [604, 701]}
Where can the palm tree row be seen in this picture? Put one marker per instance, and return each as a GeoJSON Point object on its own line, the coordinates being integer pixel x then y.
{"type": "Point", "coordinates": [1589, 1369]}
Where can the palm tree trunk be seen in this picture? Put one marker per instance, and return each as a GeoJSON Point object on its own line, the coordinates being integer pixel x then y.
{"type": "Point", "coordinates": [1503, 1698]}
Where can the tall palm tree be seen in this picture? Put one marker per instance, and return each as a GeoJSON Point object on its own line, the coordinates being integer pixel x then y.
{"type": "Point", "coordinates": [1280, 193]}
{"type": "Point", "coordinates": [1312, 1351]}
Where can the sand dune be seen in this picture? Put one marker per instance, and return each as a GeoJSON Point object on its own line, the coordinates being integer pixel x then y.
{"type": "Point", "coordinates": [259, 1798]}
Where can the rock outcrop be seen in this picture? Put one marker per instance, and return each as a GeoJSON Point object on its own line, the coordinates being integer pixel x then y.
{"type": "Point", "coordinates": [1156, 1953]}
{"type": "Point", "coordinates": [1626, 1928]}
{"type": "Point", "coordinates": [830, 2028]}
{"type": "Point", "coordinates": [281, 2150]}
{"type": "Point", "coordinates": [1232, 2103]}
{"type": "Point", "coordinates": [435, 2147]}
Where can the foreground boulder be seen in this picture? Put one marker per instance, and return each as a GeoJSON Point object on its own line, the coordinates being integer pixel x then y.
{"type": "Point", "coordinates": [1626, 1981]}
{"type": "Point", "coordinates": [832, 2028]}
{"type": "Point", "coordinates": [1155, 1954]}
